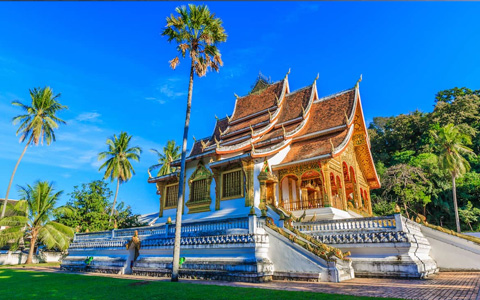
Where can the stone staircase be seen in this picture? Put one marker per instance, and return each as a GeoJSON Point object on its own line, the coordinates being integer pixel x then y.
{"type": "Point", "coordinates": [390, 246]}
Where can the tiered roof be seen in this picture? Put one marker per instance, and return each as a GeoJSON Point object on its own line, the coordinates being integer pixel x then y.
{"type": "Point", "coordinates": [271, 118]}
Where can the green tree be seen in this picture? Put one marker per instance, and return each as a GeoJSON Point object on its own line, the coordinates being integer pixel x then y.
{"type": "Point", "coordinates": [196, 31]}
{"type": "Point", "coordinates": [170, 153]}
{"type": "Point", "coordinates": [469, 214]}
{"type": "Point", "coordinates": [36, 125]}
{"type": "Point", "coordinates": [91, 206]}
{"type": "Point", "coordinates": [33, 219]}
{"type": "Point", "coordinates": [117, 165]}
{"type": "Point", "coordinates": [450, 143]}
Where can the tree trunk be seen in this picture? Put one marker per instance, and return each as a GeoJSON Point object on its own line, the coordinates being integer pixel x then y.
{"type": "Point", "coordinates": [33, 241]}
{"type": "Point", "coordinates": [406, 210]}
{"type": "Point", "coordinates": [178, 220]}
{"type": "Point", "coordinates": [13, 175]}
{"type": "Point", "coordinates": [114, 201]}
{"type": "Point", "coordinates": [455, 206]}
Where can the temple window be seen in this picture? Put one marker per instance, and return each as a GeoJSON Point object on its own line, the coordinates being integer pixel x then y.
{"type": "Point", "coordinates": [199, 190]}
{"type": "Point", "coordinates": [232, 184]}
{"type": "Point", "coordinates": [171, 195]}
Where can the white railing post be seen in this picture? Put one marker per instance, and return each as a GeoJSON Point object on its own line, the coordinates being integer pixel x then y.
{"type": "Point", "coordinates": [399, 226]}
{"type": "Point", "coordinates": [252, 223]}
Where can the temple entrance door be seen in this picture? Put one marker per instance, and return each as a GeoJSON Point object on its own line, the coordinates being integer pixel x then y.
{"type": "Point", "coordinates": [270, 196]}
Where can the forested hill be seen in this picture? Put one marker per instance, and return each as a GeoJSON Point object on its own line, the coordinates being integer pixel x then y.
{"type": "Point", "coordinates": [407, 163]}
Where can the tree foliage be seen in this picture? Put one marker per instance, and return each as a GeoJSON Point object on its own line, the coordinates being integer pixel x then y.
{"type": "Point", "coordinates": [91, 205]}
{"type": "Point", "coordinates": [171, 152]}
{"type": "Point", "coordinates": [413, 140]}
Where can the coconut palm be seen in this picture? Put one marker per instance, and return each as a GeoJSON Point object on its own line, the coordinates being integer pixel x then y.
{"type": "Point", "coordinates": [32, 218]}
{"type": "Point", "coordinates": [196, 31]}
{"type": "Point", "coordinates": [170, 153]}
{"type": "Point", "coordinates": [450, 144]}
{"type": "Point", "coordinates": [37, 124]}
{"type": "Point", "coordinates": [117, 162]}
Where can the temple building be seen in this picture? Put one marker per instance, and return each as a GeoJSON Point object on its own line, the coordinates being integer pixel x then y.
{"type": "Point", "coordinates": [280, 190]}
{"type": "Point", "coordinates": [287, 150]}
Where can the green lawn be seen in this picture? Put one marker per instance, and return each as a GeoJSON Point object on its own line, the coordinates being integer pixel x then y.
{"type": "Point", "coordinates": [20, 284]}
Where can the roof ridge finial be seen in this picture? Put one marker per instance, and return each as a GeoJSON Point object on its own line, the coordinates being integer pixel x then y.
{"type": "Point", "coordinates": [270, 114]}
{"type": "Point", "coordinates": [217, 142]}
{"type": "Point", "coordinates": [220, 130]}
{"type": "Point", "coordinates": [204, 145]}
{"type": "Point", "coordinates": [216, 118]}
{"type": "Point", "coordinates": [194, 139]}
{"type": "Point", "coordinates": [286, 75]}
{"type": "Point", "coordinates": [358, 81]}
{"type": "Point", "coordinates": [284, 131]}
{"type": "Point", "coordinates": [316, 78]}
{"type": "Point", "coordinates": [236, 96]}
{"type": "Point", "coordinates": [333, 147]}
{"type": "Point", "coordinates": [303, 112]}
{"type": "Point", "coordinates": [228, 118]}
{"type": "Point", "coordinates": [251, 128]}
{"type": "Point", "coordinates": [346, 116]}
{"type": "Point", "coordinates": [253, 147]}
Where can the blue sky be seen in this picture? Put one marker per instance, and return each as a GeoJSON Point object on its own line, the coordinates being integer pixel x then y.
{"type": "Point", "coordinates": [110, 63]}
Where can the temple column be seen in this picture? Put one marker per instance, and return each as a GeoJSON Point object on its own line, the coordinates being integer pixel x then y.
{"type": "Point", "coordinates": [356, 190]}
{"type": "Point", "coordinates": [299, 195]}
{"type": "Point", "coordinates": [343, 194]}
{"type": "Point", "coordinates": [328, 186]}
{"type": "Point", "coordinates": [161, 192]}
{"type": "Point", "coordinates": [218, 185]}
{"type": "Point", "coordinates": [247, 166]}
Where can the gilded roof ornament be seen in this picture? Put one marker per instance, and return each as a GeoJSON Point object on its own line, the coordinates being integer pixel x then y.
{"type": "Point", "coordinates": [251, 129]}
{"type": "Point", "coordinates": [284, 131]}
{"type": "Point", "coordinates": [217, 142]}
{"type": "Point", "coordinates": [194, 139]}
{"type": "Point", "coordinates": [228, 118]}
{"type": "Point", "coordinates": [220, 130]}
{"type": "Point", "coordinates": [204, 145]}
{"type": "Point", "coordinates": [303, 112]}
{"type": "Point", "coordinates": [278, 100]}
{"type": "Point", "coordinates": [236, 96]}
{"type": "Point", "coordinates": [346, 117]}
{"type": "Point", "coordinates": [286, 75]}
{"type": "Point", "coordinates": [270, 114]}
{"type": "Point", "coordinates": [358, 81]}
{"type": "Point", "coordinates": [316, 78]}
{"type": "Point", "coordinates": [216, 118]}
{"type": "Point", "coordinates": [333, 147]}
{"type": "Point", "coordinates": [253, 147]}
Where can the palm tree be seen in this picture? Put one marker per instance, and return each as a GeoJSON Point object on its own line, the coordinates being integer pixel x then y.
{"type": "Point", "coordinates": [197, 31]}
{"type": "Point", "coordinates": [450, 145]}
{"type": "Point", "coordinates": [37, 124]}
{"type": "Point", "coordinates": [170, 153]}
{"type": "Point", "coordinates": [118, 164]}
{"type": "Point", "coordinates": [31, 218]}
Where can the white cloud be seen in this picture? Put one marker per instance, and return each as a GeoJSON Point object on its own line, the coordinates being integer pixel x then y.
{"type": "Point", "coordinates": [88, 116]}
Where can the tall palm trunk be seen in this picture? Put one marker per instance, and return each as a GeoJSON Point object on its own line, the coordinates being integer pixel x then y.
{"type": "Point", "coordinates": [33, 241]}
{"type": "Point", "coordinates": [178, 220]}
{"type": "Point", "coordinates": [114, 201]}
{"type": "Point", "coordinates": [455, 206]}
{"type": "Point", "coordinates": [13, 175]}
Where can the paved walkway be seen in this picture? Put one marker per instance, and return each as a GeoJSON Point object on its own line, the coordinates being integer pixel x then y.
{"type": "Point", "coordinates": [444, 286]}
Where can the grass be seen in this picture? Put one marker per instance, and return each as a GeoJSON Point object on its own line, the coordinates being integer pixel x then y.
{"type": "Point", "coordinates": [50, 264]}
{"type": "Point", "coordinates": [21, 284]}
